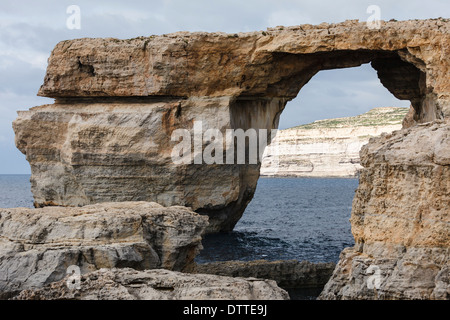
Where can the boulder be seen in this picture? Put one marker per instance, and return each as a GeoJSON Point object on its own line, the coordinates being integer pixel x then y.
{"type": "Point", "coordinates": [37, 246]}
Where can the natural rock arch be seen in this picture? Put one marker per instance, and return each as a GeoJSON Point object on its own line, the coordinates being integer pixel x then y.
{"type": "Point", "coordinates": [107, 137]}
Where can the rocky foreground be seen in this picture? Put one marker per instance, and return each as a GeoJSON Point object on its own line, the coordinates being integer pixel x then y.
{"type": "Point", "coordinates": [127, 250]}
{"type": "Point", "coordinates": [286, 273]}
{"type": "Point", "coordinates": [37, 246]}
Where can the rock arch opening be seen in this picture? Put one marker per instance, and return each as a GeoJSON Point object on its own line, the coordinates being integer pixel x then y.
{"type": "Point", "coordinates": [401, 78]}
{"type": "Point", "coordinates": [308, 219]}
{"type": "Point", "coordinates": [285, 216]}
{"type": "Point", "coordinates": [338, 93]}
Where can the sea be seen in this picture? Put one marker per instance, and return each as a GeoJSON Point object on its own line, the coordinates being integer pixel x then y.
{"type": "Point", "coordinates": [288, 218]}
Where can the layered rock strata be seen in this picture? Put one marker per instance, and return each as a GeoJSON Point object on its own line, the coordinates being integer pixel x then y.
{"type": "Point", "coordinates": [327, 148]}
{"type": "Point", "coordinates": [400, 220]}
{"type": "Point", "coordinates": [287, 273]}
{"type": "Point", "coordinates": [130, 284]}
{"type": "Point", "coordinates": [108, 135]}
{"type": "Point", "coordinates": [37, 246]}
{"type": "Point", "coordinates": [83, 153]}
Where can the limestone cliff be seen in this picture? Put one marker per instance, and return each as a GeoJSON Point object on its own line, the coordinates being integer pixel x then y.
{"type": "Point", "coordinates": [327, 148]}
{"type": "Point", "coordinates": [108, 135]}
{"type": "Point", "coordinates": [129, 284]}
{"type": "Point", "coordinates": [400, 220]}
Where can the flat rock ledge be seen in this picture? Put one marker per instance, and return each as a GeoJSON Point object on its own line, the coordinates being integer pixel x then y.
{"type": "Point", "coordinates": [287, 273]}
{"type": "Point", "coordinates": [37, 246]}
{"type": "Point", "coordinates": [158, 284]}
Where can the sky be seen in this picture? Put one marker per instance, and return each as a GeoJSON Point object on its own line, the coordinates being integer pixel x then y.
{"type": "Point", "coordinates": [30, 29]}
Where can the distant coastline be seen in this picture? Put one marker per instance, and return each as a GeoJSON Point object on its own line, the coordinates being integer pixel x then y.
{"type": "Point", "coordinates": [328, 148]}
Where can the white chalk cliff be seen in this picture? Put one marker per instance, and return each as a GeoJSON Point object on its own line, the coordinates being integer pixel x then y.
{"type": "Point", "coordinates": [328, 148]}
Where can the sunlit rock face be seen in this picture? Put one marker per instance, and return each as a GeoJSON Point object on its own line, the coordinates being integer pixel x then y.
{"type": "Point", "coordinates": [400, 220]}
{"type": "Point", "coordinates": [108, 135]}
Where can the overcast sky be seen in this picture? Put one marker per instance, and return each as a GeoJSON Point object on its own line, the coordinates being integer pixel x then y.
{"type": "Point", "coordinates": [30, 29]}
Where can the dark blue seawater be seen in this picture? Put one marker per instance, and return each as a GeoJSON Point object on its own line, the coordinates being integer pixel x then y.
{"type": "Point", "coordinates": [288, 218]}
{"type": "Point", "coordinates": [15, 191]}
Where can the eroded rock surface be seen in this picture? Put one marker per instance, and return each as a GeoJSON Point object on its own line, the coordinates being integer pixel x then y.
{"type": "Point", "coordinates": [411, 58]}
{"type": "Point", "coordinates": [400, 220]}
{"type": "Point", "coordinates": [129, 284]}
{"type": "Point", "coordinates": [108, 135]}
{"type": "Point", "coordinates": [38, 245]}
{"type": "Point", "coordinates": [86, 153]}
{"type": "Point", "coordinates": [287, 273]}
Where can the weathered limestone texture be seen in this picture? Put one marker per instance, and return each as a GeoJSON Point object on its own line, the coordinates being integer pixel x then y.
{"type": "Point", "coordinates": [158, 284]}
{"type": "Point", "coordinates": [400, 220]}
{"type": "Point", "coordinates": [38, 245]}
{"type": "Point", "coordinates": [108, 135]}
{"type": "Point", "coordinates": [86, 153]}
